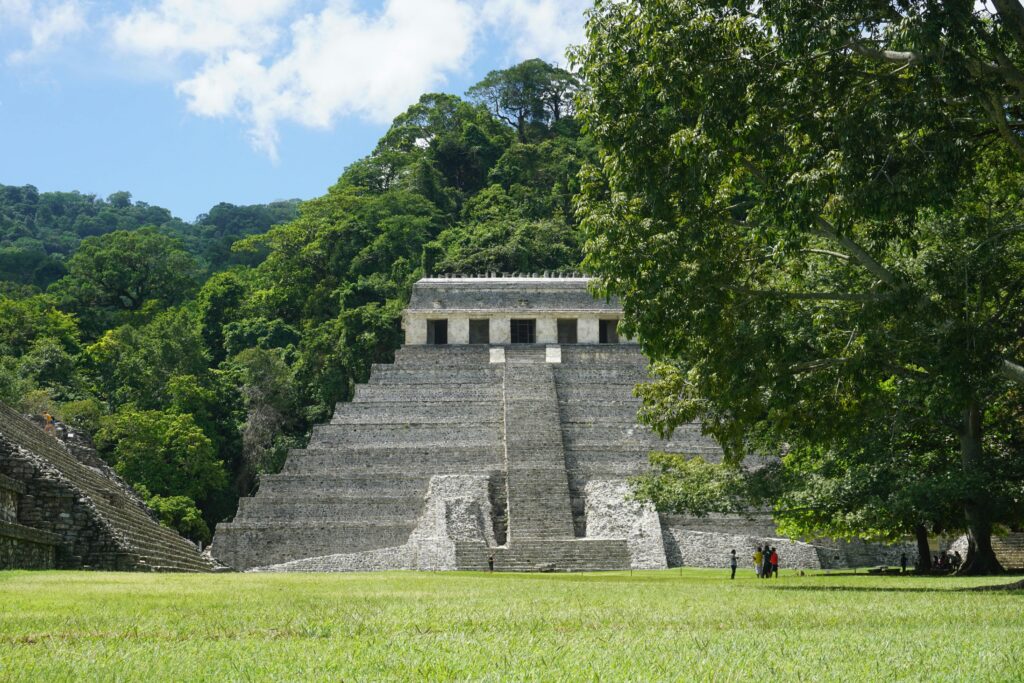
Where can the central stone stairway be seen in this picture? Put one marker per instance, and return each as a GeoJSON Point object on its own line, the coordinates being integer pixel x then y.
{"type": "Point", "coordinates": [541, 533]}
{"type": "Point", "coordinates": [538, 490]}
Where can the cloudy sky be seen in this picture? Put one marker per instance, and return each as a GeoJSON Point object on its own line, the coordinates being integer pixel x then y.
{"type": "Point", "coordinates": [186, 103]}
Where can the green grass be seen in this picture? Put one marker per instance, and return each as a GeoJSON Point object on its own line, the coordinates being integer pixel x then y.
{"type": "Point", "coordinates": [694, 625]}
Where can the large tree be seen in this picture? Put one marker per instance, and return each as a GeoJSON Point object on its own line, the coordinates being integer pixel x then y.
{"type": "Point", "coordinates": [806, 204]}
{"type": "Point", "coordinates": [529, 95]}
{"type": "Point", "coordinates": [114, 277]}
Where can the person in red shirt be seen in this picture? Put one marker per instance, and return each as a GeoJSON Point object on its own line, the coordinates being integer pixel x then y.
{"type": "Point", "coordinates": [775, 563]}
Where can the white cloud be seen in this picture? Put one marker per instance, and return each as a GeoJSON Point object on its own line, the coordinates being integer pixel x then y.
{"type": "Point", "coordinates": [266, 62]}
{"type": "Point", "coordinates": [176, 27]}
{"type": "Point", "coordinates": [14, 12]}
{"type": "Point", "coordinates": [47, 24]}
{"type": "Point", "coordinates": [539, 28]}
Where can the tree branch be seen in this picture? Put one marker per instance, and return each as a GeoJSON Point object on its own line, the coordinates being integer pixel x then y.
{"type": "Point", "coordinates": [1012, 371]}
{"type": "Point", "coordinates": [827, 230]}
{"type": "Point", "coordinates": [1011, 14]}
{"type": "Point", "coordinates": [899, 57]}
{"type": "Point", "coordinates": [995, 113]}
{"type": "Point", "coordinates": [826, 252]}
{"type": "Point", "coordinates": [808, 296]}
{"type": "Point", "coordinates": [812, 365]}
{"type": "Point", "coordinates": [855, 250]}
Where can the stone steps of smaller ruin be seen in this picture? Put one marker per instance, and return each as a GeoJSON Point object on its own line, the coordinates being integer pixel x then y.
{"type": "Point", "coordinates": [427, 392]}
{"type": "Point", "coordinates": [389, 413]}
{"type": "Point", "coordinates": [154, 545]}
{"type": "Point", "coordinates": [246, 544]}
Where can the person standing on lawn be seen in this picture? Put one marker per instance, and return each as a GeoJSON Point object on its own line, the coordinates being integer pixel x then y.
{"type": "Point", "coordinates": [766, 569]}
{"type": "Point", "coordinates": [732, 563]}
{"type": "Point", "coordinates": [775, 562]}
{"type": "Point", "coordinates": [758, 561]}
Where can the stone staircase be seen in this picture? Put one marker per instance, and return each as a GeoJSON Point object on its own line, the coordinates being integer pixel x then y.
{"type": "Point", "coordinates": [538, 492]}
{"type": "Point", "coordinates": [360, 484]}
{"type": "Point", "coordinates": [100, 522]}
{"type": "Point", "coordinates": [581, 554]}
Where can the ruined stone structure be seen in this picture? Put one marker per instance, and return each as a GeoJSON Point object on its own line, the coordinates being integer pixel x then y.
{"type": "Point", "coordinates": [506, 429]}
{"type": "Point", "coordinates": [67, 510]}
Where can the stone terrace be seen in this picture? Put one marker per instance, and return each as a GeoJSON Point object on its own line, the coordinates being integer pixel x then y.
{"type": "Point", "coordinates": [538, 430]}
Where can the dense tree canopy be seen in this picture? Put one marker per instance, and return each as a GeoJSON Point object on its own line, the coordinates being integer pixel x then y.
{"type": "Point", "coordinates": [39, 231]}
{"type": "Point", "coordinates": [812, 213]}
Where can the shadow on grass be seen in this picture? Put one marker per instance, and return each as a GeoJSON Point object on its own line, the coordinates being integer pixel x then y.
{"type": "Point", "coordinates": [893, 589]}
{"type": "Point", "coordinates": [864, 589]}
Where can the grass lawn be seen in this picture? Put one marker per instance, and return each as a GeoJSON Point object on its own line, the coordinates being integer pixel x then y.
{"type": "Point", "coordinates": [668, 625]}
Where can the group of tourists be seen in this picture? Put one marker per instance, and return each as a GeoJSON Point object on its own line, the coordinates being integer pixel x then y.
{"type": "Point", "coordinates": [943, 562]}
{"type": "Point", "coordinates": [766, 562]}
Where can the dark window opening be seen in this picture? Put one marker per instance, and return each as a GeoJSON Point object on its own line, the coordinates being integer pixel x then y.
{"type": "Point", "coordinates": [437, 332]}
{"type": "Point", "coordinates": [608, 332]}
{"type": "Point", "coordinates": [479, 331]}
{"type": "Point", "coordinates": [524, 331]}
{"type": "Point", "coordinates": [567, 331]}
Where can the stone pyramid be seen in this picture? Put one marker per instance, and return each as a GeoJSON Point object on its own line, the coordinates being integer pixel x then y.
{"type": "Point", "coordinates": [536, 425]}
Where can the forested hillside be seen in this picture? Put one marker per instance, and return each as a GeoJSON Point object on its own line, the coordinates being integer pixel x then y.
{"type": "Point", "coordinates": [39, 231]}
{"type": "Point", "coordinates": [197, 366]}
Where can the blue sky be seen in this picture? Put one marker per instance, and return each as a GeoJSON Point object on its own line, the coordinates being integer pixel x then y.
{"type": "Point", "coordinates": [186, 103]}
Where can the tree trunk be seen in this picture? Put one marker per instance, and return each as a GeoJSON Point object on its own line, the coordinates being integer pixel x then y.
{"type": "Point", "coordinates": [981, 559]}
{"type": "Point", "coordinates": [924, 551]}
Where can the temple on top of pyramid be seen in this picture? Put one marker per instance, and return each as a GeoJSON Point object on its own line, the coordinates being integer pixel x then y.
{"type": "Point", "coordinates": [509, 310]}
{"type": "Point", "coordinates": [503, 434]}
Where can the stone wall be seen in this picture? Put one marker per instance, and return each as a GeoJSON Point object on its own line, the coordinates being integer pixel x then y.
{"type": "Point", "coordinates": [22, 547]}
{"type": "Point", "coordinates": [10, 489]}
{"type": "Point", "coordinates": [1009, 549]}
{"type": "Point", "coordinates": [610, 514]}
{"type": "Point", "coordinates": [711, 549]}
{"type": "Point", "coordinates": [457, 508]}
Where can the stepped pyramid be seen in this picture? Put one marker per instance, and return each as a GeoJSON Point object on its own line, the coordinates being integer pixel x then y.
{"type": "Point", "coordinates": [505, 430]}
{"type": "Point", "coordinates": [70, 514]}
{"type": "Point", "coordinates": [511, 403]}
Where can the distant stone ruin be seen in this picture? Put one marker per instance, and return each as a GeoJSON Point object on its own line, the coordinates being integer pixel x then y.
{"type": "Point", "coordinates": [505, 429]}
{"type": "Point", "coordinates": [67, 510]}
